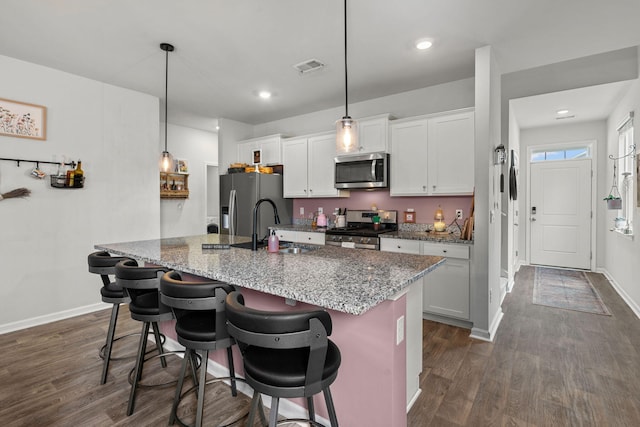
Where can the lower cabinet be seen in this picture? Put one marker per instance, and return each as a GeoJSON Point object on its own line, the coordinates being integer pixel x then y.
{"type": "Point", "coordinates": [300, 237]}
{"type": "Point", "coordinates": [446, 289]}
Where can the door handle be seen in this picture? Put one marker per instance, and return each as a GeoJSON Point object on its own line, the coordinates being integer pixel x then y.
{"type": "Point", "coordinates": [533, 219]}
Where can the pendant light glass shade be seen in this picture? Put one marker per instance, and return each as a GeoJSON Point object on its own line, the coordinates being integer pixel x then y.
{"type": "Point", "coordinates": [346, 135]}
{"type": "Point", "coordinates": [166, 162]}
{"type": "Point", "coordinates": [166, 159]}
{"type": "Point", "coordinates": [346, 128]}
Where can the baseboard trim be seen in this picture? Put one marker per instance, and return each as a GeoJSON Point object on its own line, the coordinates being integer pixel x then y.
{"type": "Point", "coordinates": [620, 291]}
{"type": "Point", "coordinates": [447, 320]}
{"type": "Point", "coordinates": [52, 317]}
{"type": "Point", "coordinates": [488, 335]}
{"type": "Point", "coordinates": [286, 408]}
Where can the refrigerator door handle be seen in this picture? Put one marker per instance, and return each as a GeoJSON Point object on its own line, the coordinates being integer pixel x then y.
{"type": "Point", "coordinates": [232, 213]}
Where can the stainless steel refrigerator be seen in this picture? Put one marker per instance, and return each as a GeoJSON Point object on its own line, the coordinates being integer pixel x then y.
{"type": "Point", "coordinates": [239, 193]}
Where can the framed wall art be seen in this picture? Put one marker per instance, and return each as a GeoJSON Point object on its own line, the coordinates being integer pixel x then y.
{"type": "Point", "coordinates": [182, 166]}
{"type": "Point", "coordinates": [23, 120]}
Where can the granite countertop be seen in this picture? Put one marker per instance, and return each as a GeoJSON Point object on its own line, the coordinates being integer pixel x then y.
{"type": "Point", "coordinates": [348, 280]}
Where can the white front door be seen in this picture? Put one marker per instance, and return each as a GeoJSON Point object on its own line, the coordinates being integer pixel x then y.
{"type": "Point", "coordinates": [560, 213]}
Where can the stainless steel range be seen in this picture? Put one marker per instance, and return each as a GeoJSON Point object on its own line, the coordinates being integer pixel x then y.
{"type": "Point", "coordinates": [360, 232]}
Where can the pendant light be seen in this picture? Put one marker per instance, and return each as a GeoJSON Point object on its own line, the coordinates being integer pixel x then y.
{"type": "Point", "coordinates": [166, 161]}
{"type": "Point", "coordinates": [346, 128]}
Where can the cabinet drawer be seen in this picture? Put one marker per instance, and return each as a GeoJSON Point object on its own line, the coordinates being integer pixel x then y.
{"type": "Point", "coordinates": [312, 238]}
{"type": "Point", "coordinates": [400, 245]}
{"type": "Point", "coordinates": [451, 250]}
{"type": "Point", "coordinates": [287, 235]}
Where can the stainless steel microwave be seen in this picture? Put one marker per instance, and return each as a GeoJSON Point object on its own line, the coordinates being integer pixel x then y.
{"type": "Point", "coordinates": [362, 171]}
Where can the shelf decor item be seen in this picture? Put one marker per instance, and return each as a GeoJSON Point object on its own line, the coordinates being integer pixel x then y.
{"type": "Point", "coordinates": [23, 120]}
{"type": "Point", "coordinates": [13, 194]}
{"type": "Point", "coordinates": [614, 200]}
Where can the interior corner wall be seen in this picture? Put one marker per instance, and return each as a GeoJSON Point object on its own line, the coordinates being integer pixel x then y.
{"type": "Point", "coordinates": [186, 217]}
{"type": "Point", "coordinates": [621, 253]}
{"type": "Point", "coordinates": [46, 237]}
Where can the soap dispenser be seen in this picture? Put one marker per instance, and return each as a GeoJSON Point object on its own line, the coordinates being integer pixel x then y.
{"type": "Point", "coordinates": [273, 242]}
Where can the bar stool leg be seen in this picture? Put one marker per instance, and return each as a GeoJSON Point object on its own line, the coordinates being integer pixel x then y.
{"type": "Point", "coordinates": [273, 412]}
{"type": "Point", "coordinates": [232, 373]}
{"type": "Point", "coordinates": [310, 409]}
{"type": "Point", "coordinates": [201, 384]}
{"type": "Point", "coordinates": [330, 408]}
{"type": "Point", "coordinates": [109, 343]}
{"type": "Point", "coordinates": [156, 334]}
{"type": "Point", "coordinates": [176, 399]}
{"type": "Point", "coordinates": [142, 346]}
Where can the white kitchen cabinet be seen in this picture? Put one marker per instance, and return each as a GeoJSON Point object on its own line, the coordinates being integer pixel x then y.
{"type": "Point", "coordinates": [300, 236]}
{"type": "Point", "coordinates": [408, 160]}
{"type": "Point", "coordinates": [271, 147]}
{"type": "Point", "coordinates": [451, 153]}
{"type": "Point", "coordinates": [309, 167]}
{"type": "Point", "coordinates": [433, 155]}
{"type": "Point", "coordinates": [373, 136]}
{"type": "Point", "coordinates": [445, 289]}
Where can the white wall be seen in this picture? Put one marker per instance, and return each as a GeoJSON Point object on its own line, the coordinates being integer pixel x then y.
{"type": "Point", "coordinates": [584, 131]}
{"type": "Point", "coordinates": [45, 239]}
{"type": "Point", "coordinates": [485, 260]}
{"type": "Point", "coordinates": [186, 217]}
{"type": "Point", "coordinates": [621, 253]}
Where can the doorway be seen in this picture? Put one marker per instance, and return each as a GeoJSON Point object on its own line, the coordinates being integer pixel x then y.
{"type": "Point", "coordinates": [560, 206]}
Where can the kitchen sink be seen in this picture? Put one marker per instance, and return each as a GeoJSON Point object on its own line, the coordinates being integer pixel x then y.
{"type": "Point", "coordinates": [247, 245]}
{"type": "Point", "coordinates": [297, 249]}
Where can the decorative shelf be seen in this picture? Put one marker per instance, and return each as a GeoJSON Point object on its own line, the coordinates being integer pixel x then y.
{"type": "Point", "coordinates": [174, 185]}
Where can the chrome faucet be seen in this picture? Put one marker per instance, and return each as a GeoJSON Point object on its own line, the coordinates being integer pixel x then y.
{"type": "Point", "coordinates": [254, 235]}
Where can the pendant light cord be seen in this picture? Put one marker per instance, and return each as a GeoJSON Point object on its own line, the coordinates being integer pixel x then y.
{"type": "Point", "coordinates": [166, 96]}
{"type": "Point", "coordinates": [346, 81]}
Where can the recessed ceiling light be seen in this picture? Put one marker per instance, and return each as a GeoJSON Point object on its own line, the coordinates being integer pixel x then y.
{"type": "Point", "coordinates": [423, 44]}
{"type": "Point", "coordinates": [562, 112]}
{"type": "Point", "coordinates": [264, 94]}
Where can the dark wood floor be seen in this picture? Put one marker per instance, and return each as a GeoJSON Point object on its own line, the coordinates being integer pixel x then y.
{"type": "Point", "coordinates": [547, 367]}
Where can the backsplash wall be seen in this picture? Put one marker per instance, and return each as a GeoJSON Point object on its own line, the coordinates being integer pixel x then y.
{"type": "Point", "coordinates": [425, 207]}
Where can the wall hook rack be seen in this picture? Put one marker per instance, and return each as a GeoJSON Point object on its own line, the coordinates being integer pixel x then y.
{"type": "Point", "coordinates": [37, 162]}
{"type": "Point", "coordinates": [632, 152]}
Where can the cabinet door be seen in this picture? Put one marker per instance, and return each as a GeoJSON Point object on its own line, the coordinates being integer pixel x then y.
{"type": "Point", "coordinates": [321, 166]}
{"type": "Point", "coordinates": [271, 150]}
{"type": "Point", "coordinates": [409, 158]}
{"type": "Point", "coordinates": [373, 135]}
{"type": "Point", "coordinates": [245, 151]}
{"type": "Point", "coordinates": [446, 289]}
{"type": "Point", "coordinates": [451, 153]}
{"type": "Point", "coordinates": [294, 159]}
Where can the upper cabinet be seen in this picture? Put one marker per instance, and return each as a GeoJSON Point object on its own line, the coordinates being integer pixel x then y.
{"type": "Point", "coordinates": [271, 147]}
{"type": "Point", "coordinates": [373, 136]}
{"type": "Point", "coordinates": [308, 164]}
{"type": "Point", "coordinates": [433, 155]}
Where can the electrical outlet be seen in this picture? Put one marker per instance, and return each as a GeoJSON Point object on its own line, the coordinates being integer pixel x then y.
{"type": "Point", "coordinates": [320, 210]}
{"type": "Point", "coordinates": [301, 210]}
{"type": "Point", "coordinates": [458, 213]}
{"type": "Point", "coordinates": [399, 330]}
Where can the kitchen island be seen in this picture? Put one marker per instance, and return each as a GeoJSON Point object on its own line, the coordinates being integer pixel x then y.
{"type": "Point", "coordinates": [366, 293]}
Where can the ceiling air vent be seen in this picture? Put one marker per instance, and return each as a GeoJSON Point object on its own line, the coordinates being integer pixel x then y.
{"type": "Point", "coordinates": [309, 66]}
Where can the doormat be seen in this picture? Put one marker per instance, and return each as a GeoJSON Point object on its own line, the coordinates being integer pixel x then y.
{"type": "Point", "coordinates": [567, 289]}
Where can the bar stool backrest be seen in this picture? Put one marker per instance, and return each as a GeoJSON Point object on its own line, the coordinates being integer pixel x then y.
{"type": "Point", "coordinates": [283, 330]}
{"type": "Point", "coordinates": [104, 264]}
{"type": "Point", "coordinates": [140, 281]}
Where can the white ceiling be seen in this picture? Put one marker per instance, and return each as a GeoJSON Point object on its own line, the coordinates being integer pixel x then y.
{"type": "Point", "coordinates": [226, 51]}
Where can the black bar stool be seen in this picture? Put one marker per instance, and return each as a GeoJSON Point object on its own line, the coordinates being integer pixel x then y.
{"type": "Point", "coordinates": [104, 264]}
{"type": "Point", "coordinates": [142, 285]}
{"type": "Point", "coordinates": [285, 354]}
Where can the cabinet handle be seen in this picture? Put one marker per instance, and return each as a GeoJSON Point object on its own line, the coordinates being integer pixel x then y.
{"type": "Point", "coordinates": [424, 188]}
{"type": "Point", "coordinates": [444, 251]}
{"type": "Point", "coordinates": [399, 247]}
{"type": "Point", "coordinates": [434, 188]}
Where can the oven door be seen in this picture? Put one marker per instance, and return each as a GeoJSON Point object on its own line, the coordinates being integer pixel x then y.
{"type": "Point", "coordinates": [362, 171]}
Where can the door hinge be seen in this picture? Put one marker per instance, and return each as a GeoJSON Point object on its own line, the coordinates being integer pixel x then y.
{"type": "Point", "coordinates": [591, 255]}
